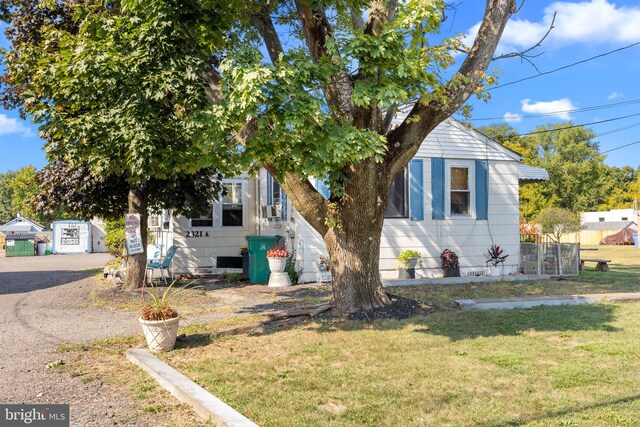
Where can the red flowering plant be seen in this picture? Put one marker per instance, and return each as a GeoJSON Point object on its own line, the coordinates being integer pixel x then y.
{"type": "Point", "coordinates": [494, 255]}
{"type": "Point", "coordinates": [278, 251]}
{"type": "Point", "coordinates": [449, 260]}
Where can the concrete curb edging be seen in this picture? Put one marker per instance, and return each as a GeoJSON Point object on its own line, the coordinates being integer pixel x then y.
{"type": "Point", "coordinates": [203, 403]}
{"type": "Point", "coordinates": [528, 302]}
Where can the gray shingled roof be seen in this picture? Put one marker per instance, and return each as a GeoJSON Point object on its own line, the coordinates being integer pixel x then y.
{"type": "Point", "coordinates": [609, 225]}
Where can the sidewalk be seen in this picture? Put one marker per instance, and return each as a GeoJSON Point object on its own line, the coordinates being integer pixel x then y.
{"type": "Point", "coordinates": [532, 301]}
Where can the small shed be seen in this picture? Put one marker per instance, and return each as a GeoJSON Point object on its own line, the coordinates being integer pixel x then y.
{"type": "Point", "coordinates": [71, 237]}
{"type": "Point", "coordinates": [20, 244]}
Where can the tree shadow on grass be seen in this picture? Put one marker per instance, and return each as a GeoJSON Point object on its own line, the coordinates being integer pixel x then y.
{"type": "Point", "coordinates": [462, 325]}
{"type": "Point", "coordinates": [549, 416]}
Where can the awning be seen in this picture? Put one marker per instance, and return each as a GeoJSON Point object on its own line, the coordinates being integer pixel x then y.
{"type": "Point", "coordinates": [527, 174]}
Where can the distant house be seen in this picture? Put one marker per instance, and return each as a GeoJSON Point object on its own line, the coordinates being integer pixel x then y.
{"type": "Point", "coordinates": [20, 228]}
{"type": "Point", "coordinates": [598, 225]}
{"type": "Point", "coordinates": [459, 192]}
{"type": "Point", "coordinates": [21, 224]}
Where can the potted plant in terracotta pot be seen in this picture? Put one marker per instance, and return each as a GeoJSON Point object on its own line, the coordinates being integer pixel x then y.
{"type": "Point", "coordinates": [407, 262]}
{"type": "Point", "coordinates": [450, 263]}
{"type": "Point", "coordinates": [495, 260]}
{"type": "Point", "coordinates": [277, 258]}
{"type": "Point", "coordinates": [159, 320]}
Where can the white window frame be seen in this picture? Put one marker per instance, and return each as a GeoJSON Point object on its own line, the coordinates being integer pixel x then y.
{"type": "Point", "coordinates": [207, 227]}
{"type": "Point", "coordinates": [216, 210]}
{"type": "Point", "coordinates": [471, 166]}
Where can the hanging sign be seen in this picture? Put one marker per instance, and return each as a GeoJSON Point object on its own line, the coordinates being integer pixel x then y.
{"type": "Point", "coordinates": [132, 235]}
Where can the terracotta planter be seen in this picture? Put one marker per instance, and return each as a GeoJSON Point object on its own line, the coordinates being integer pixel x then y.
{"type": "Point", "coordinates": [278, 278]}
{"type": "Point", "coordinates": [160, 334]}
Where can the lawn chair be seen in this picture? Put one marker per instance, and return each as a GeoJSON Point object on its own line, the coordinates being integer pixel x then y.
{"type": "Point", "coordinates": [163, 265]}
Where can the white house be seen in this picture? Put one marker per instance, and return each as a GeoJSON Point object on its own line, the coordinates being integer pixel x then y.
{"type": "Point", "coordinates": [614, 215]}
{"type": "Point", "coordinates": [21, 224]}
{"type": "Point", "coordinates": [459, 192]}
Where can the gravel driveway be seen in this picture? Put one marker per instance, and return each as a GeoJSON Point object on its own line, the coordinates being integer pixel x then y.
{"type": "Point", "coordinates": [43, 304]}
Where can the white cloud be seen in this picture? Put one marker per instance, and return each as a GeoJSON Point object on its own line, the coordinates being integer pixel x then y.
{"type": "Point", "coordinates": [559, 108]}
{"type": "Point", "coordinates": [512, 118]}
{"type": "Point", "coordinates": [10, 125]}
{"type": "Point", "coordinates": [593, 22]}
{"type": "Point", "coordinates": [615, 95]}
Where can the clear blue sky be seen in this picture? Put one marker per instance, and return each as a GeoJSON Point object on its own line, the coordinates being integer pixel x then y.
{"type": "Point", "coordinates": [583, 29]}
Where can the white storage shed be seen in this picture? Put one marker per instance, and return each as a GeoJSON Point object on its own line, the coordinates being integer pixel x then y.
{"type": "Point", "coordinates": [71, 237]}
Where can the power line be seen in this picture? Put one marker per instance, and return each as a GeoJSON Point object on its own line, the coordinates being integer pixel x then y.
{"type": "Point", "coordinates": [564, 67]}
{"type": "Point", "coordinates": [622, 146]}
{"type": "Point", "coordinates": [580, 125]}
{"type": "Point", "coordinates": [575, 110]}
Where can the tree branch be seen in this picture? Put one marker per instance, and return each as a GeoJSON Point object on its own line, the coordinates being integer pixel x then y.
{"type": "Point", "coordinates": [264, 24]}
{"type": "Point", "coordinates": [356, 20]}
{"type": "Point", "coordinates": [317, 30]}
{"type": "Point", "coordinates": [404, 141]}
{"type": "Point", "coordinates": [523, 54]}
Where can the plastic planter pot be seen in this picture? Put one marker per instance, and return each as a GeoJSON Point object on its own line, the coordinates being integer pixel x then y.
{"type": "Point", "coordinates": [451, 272]}
{"type": "Point", "coordinates": [410, 271]}
{"type": "Point", "coordinates": [278, 278]}
{"type": "Point", "coordinates": [160, 334]}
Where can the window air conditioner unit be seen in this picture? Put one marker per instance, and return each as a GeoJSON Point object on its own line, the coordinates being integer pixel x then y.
{"type": "Point", "coordinates": [271, 211]}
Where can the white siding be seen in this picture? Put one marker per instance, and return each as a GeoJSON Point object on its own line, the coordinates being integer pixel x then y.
{"type": "Point", "coordinates": [198, 255]}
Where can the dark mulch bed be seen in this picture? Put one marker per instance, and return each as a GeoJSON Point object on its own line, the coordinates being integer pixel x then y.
{"type": "Point", "coordinates": [399, 309]}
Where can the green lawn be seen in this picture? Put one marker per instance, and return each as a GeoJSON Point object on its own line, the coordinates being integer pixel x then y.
{"type": "Point", "coordinates": [567, 365]}
{"type": "Point", "coordinates": [563, 365]}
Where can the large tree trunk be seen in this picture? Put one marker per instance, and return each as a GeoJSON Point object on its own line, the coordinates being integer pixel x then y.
{"type": "Point", "coordinates": [353, 242]}
{"type": "Point", "coordinates": [137, 264]}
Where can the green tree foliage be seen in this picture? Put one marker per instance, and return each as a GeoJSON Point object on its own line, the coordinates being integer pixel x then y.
{"type": "Point", "coordinates": [579, 180]}
{"type": "Point", "coordinates": [6, 209]}
{"type": "Point", "coordinates": [82, 193]}
{"type": "Point", "coordinates": [116, 91]}
{"type": "Point", "coordinates": [621, 188]}
{"type": "Point", "coordinates": [557, 221]}
{"type": "Point", "coordinates": [17, 188]}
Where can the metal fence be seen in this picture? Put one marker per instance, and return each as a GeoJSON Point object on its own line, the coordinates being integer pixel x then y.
{"type": "Point", "coordinates": [558, 259]}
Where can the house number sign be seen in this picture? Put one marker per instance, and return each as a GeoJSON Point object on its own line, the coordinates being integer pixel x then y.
{"type": "Point", "coordinates": [197, 234]}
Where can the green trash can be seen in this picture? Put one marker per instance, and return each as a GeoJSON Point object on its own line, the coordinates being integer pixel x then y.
{"type": "Point", "coordinates": [258, 264]}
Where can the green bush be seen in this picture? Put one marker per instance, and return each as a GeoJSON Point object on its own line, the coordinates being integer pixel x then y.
{"type": "Point", "coordinates": [114, 240]}
{"type": "Point", "coordinates": [290, 269]}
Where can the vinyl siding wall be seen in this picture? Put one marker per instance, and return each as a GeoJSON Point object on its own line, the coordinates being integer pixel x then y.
{"type": "Point", "coordinates": [198, 255]}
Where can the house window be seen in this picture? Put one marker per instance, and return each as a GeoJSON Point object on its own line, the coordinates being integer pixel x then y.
{"type": "Point", "coordinates": [232, 205]}
{"type": "Point", "coordinates": [275, 191]}
{"type": "Point", "coordinates": [601, 219]}
{"type": "Point", "coordinates": [397, 203]}
{"type": "Point", "coordinates": [204, 220]}
{"type": "Point", "coordinates": [625, 218]}
{"type": "Point", "coordinates": [460, 191]}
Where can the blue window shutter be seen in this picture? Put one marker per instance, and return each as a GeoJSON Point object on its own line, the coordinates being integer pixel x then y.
{"type": "Point", "coordinates": [269, 189]}
{"type": "Point", "coordinates": [416, 192]}
{"type": "Point", "coordinates": [437, 187]}
{"type": "Point", "coordinates": [283, 208]}
{"type": "Point", "coordinates": [482, 190]}
{"type": "Point", "coordinates": [322, 188]}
